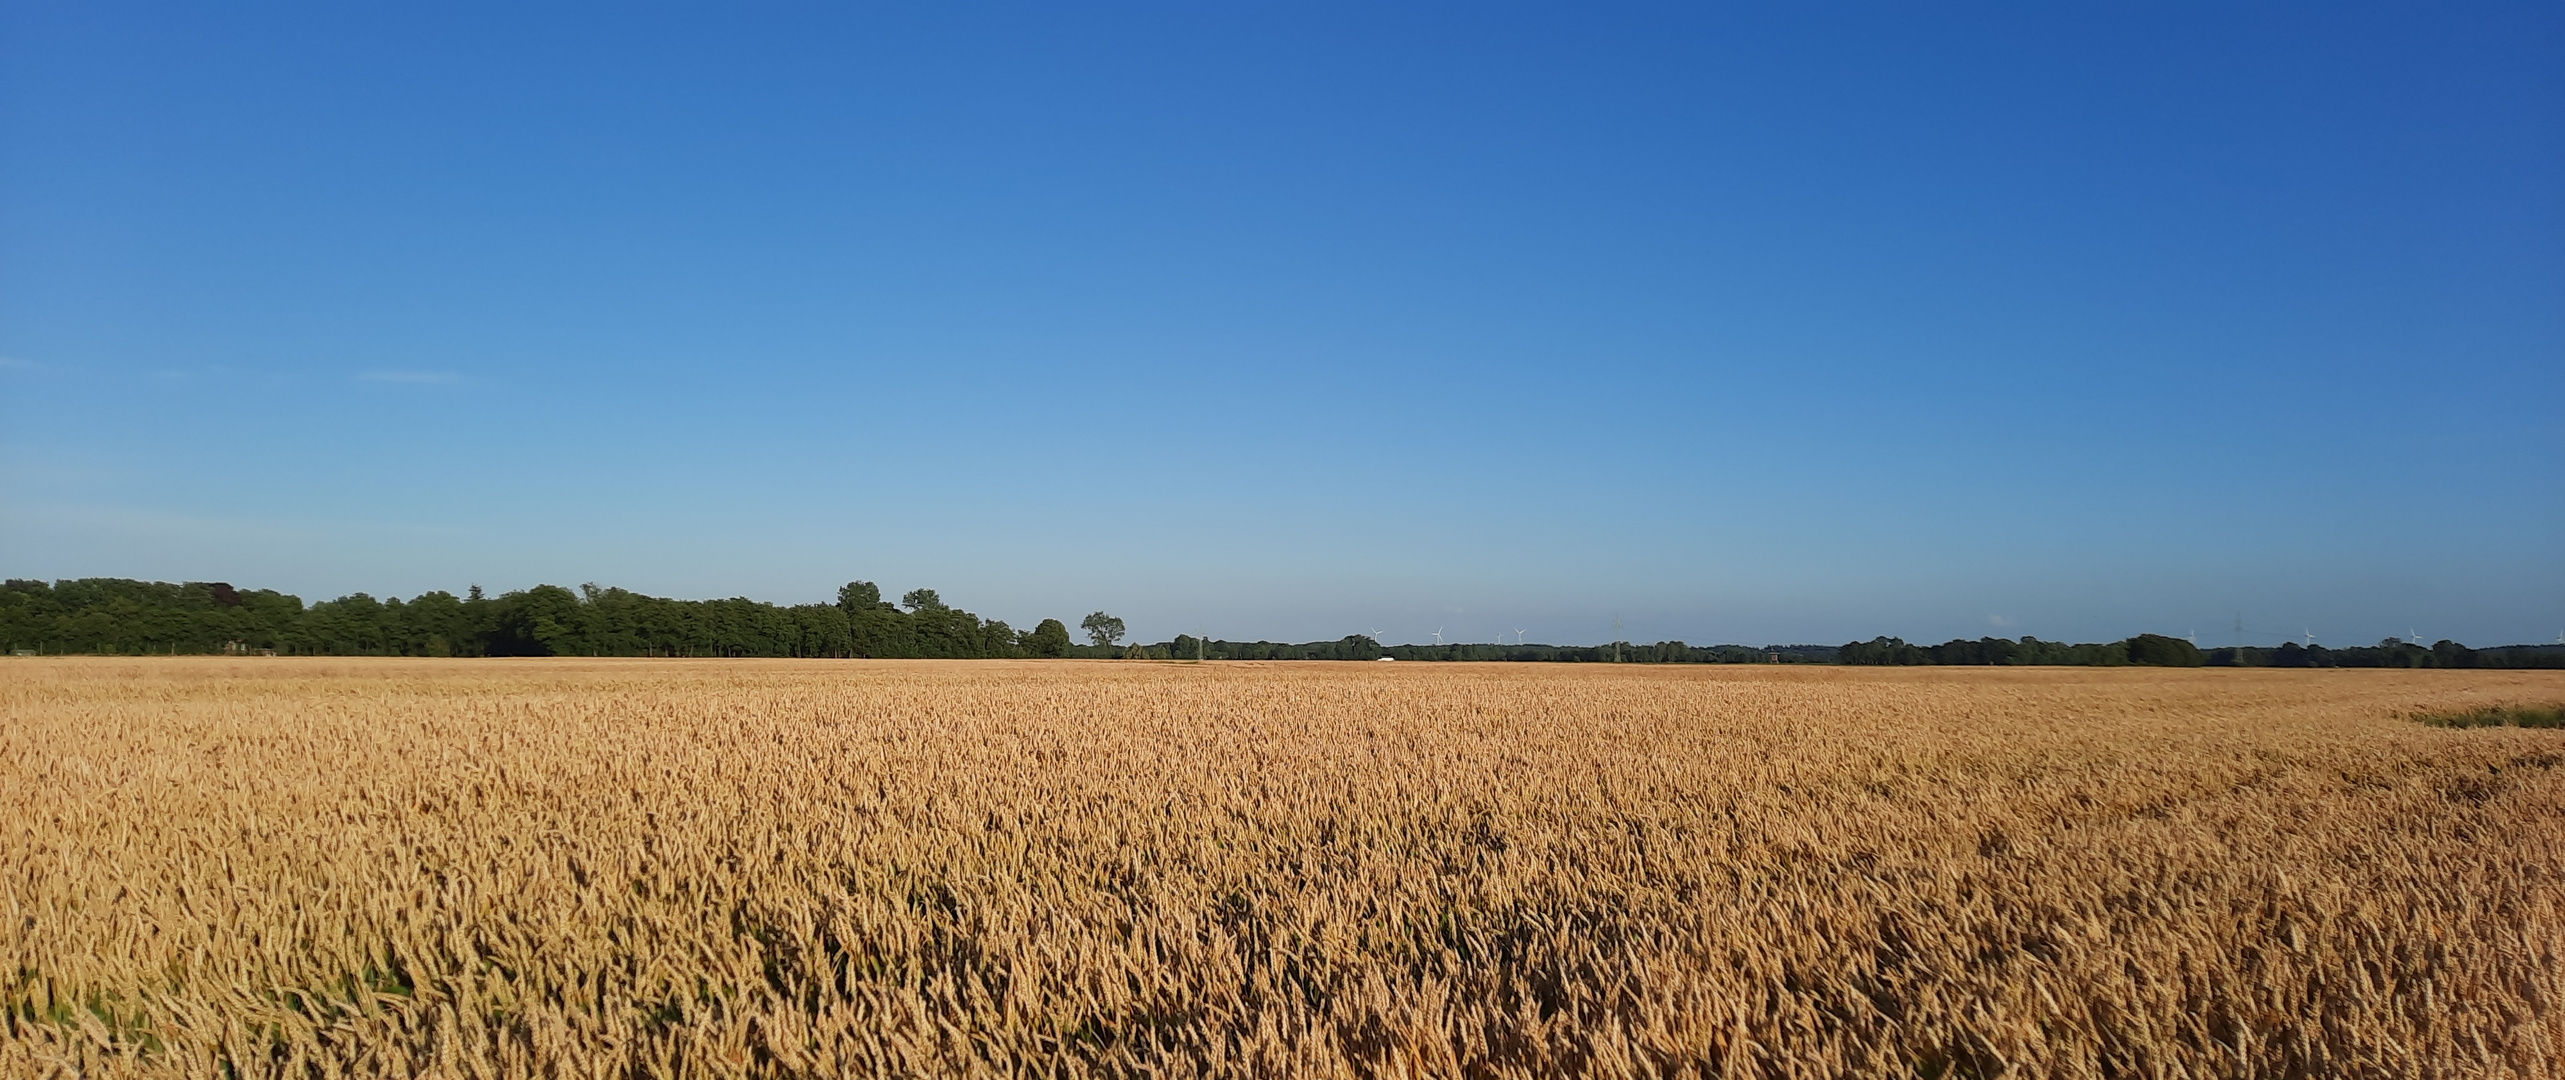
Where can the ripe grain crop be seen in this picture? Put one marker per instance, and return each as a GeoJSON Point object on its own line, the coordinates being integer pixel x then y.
{"type": "Point", "coordinates": [839, 868]}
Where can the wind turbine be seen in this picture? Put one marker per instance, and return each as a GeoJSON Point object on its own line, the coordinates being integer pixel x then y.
{"type": "Point", "coordinates": [1518, 635]}
{"type": "Point", "coordinates": [1438, 635]}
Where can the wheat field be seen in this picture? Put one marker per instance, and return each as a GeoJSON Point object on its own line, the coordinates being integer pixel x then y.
{"type": "Point", "coordinates": [842, 868]}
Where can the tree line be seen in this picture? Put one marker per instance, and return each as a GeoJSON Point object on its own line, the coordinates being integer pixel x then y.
{"type": "Point", "coordinates": [2161, 651]}
{"type": "Point", "coordinates": [116, 615]}
{"type": "Point", "coordinates": [2148, 649]}
{"type": "Point", "coordinates": [1363, 647]}
{"type": "Point", "coordinates": [2392, 653]}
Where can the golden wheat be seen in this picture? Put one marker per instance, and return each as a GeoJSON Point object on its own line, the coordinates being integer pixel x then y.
{"type": "Point", "coordinates": [602, 868]}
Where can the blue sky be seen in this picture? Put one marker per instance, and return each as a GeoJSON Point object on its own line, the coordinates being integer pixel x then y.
{"type": "Point", "coordinates": [1289, 321]}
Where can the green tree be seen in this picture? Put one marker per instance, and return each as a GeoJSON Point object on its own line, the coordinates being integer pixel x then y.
{"type": "Point", "coordinates": [541, 621]}
{"type": "Point", "coordinates": [2161, 651]}
{"type": "Point", "coordinates": [1102, 629]}
{"type": "Point", "coordinates": [1050, 638]}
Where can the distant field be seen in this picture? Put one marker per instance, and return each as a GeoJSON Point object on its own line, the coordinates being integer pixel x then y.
{"type": "Point", "coordinates": [824, 868]}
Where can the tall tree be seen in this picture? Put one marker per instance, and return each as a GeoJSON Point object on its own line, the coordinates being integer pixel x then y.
{"type": "Point", "coordinates": [1051, 638]}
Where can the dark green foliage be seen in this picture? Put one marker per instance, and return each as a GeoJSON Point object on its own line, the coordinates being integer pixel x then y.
{"type": "Point", "coordinates": [1187, 647]}
{"type": "Point", "coordinates": [113, 615]}
{"type": "Point", "coordinates": [859, 595]}
{"type": "Point", "coordinates": [2526, 716]}
{"type": "Point", "coordinates": [2392, 653]}
{"type": "Point", "coordinates": [106, 615]}
{"type": "Point", "coordinates": [2518, 656]}
{"type": "Point", "coordinates": [1362, 647]}
{"type": "Point", "coordinates": [1050, 638]}
{"type": "Point", "coordinates": [2025, 651]}
{"type": "Point", "coordinates": [1621, 652]}
{"type": "Point", "coordinates": [2157, 650]}
{"type": "Point", "coordinates": [1882, 650]}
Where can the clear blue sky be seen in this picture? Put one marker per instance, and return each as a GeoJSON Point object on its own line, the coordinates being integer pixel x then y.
{"type": "Point", "coordinates": [1293, 320]}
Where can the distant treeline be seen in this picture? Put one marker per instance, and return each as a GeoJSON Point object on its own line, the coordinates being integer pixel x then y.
{"type": "Point", "coordinates": [2393, 653]}
{"type": "Point", "coordinates": [2159, 650]}
{"type": "Point", "coordinates": [115, 615]}
{"type": "Point", "coordinates": [1361, 647]}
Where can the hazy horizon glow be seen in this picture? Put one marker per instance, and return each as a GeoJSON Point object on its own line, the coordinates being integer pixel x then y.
{"type": "Point", "coordinates": [1293, 322]}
